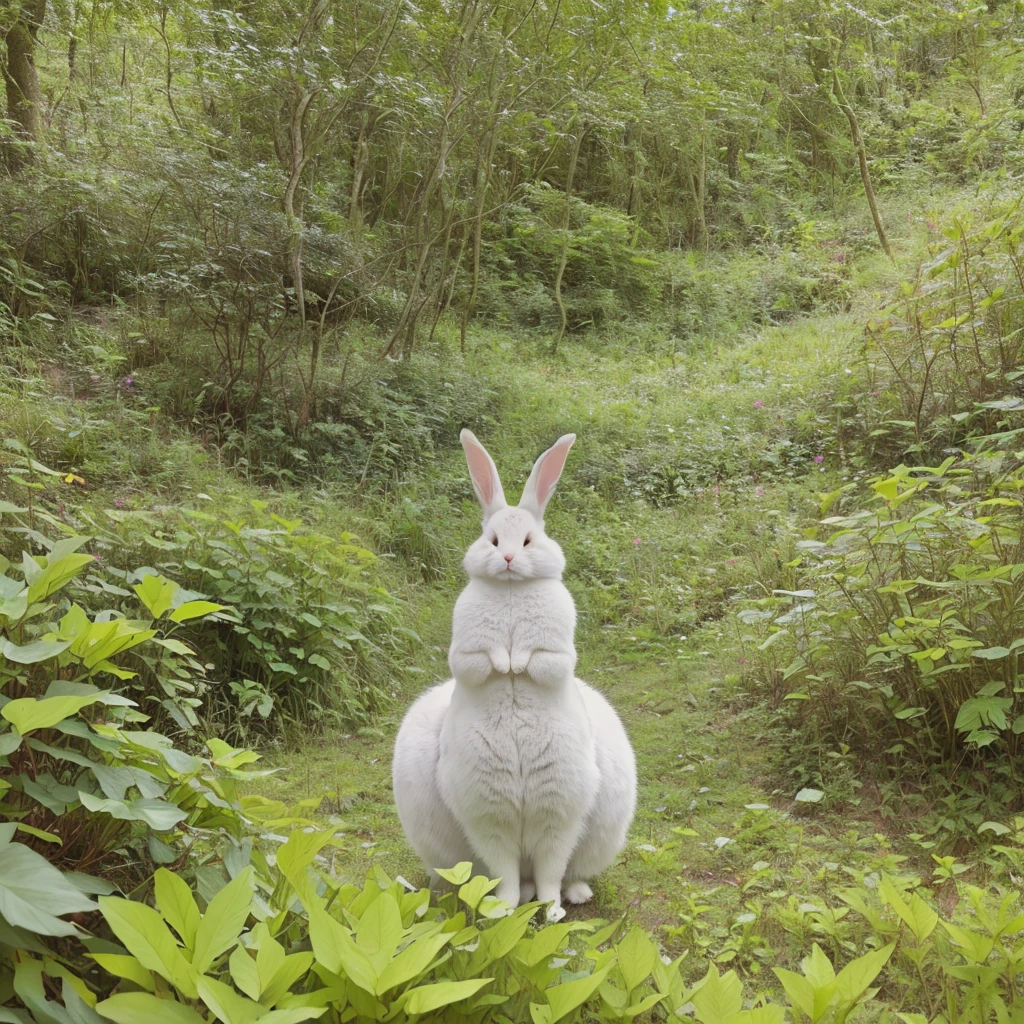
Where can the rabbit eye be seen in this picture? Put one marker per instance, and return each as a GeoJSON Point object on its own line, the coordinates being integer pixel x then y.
{"type": "Point", "coordinates": [494, 541]}
{"type": "Point", "coordinates": [527, 541]}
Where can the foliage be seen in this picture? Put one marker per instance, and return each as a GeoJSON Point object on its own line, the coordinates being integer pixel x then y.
{"type": "Point", "coordinates": [310, 641]}
{"type": "Point", "coordinates": [946, 353]}
{"type": "Point", "coordinates": [901, 636]}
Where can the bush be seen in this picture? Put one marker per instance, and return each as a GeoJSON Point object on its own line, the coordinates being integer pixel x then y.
{"type": "Point", "coordinates": [900, 639]}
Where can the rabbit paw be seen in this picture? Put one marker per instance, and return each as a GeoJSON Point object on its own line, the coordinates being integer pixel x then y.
{"type": "Point", "coordinates": [519, 662]}
{"type": "Point", "coordinates": [501, 661]}
{"type": "Point", "coordinates": [527, 890]}
{"type": "Point", "coordinates": [578, 892]}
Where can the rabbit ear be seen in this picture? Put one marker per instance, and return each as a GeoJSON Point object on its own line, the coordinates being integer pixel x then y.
{"type": "Point", "coordinates": [483, 473]}
{"type": "Point", "coordinates": [546, 471]}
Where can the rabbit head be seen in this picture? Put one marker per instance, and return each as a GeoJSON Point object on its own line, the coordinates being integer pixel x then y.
{"type": "Point", "coordinates": [513, 545]}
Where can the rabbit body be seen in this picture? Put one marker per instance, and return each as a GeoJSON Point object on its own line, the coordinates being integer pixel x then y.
{"type": "Point", "coordinates": [514, 763]}
{"type": "Point", "coordinates": [499, 775]}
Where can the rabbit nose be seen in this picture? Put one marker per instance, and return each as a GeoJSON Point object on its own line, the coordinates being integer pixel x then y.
{"type": "Point", "coordinates": [508, 558]}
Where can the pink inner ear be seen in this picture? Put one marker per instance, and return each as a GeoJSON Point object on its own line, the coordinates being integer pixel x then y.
{"type": "Point", "coordinates": [480, 471]}
{"type": "Point", "coordinates": [550, 471]}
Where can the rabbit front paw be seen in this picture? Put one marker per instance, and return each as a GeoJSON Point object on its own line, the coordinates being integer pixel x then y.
{"type": "Point", "coordinates": [501, 661]}
{"type": "Point", "coordinates": [519, 662]}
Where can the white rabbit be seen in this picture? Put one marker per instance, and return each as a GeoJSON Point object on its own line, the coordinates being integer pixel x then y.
{"type": "Point", "coordinates": [515, 764]}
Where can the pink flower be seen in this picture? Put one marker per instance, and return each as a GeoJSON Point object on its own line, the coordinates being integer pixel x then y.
{"type": "Point", "coordinates": [118, 502]}
{"type": "Point", "coordinates": [637, 540]}
{"type": "Point", "coordinates": [758, 492]}
{"type": "Point", "coordinates": [759, 404]}
{"type": "Point", "coordinates": [128, 383]}
{"type": "Point", "coordinates": [819, 459]}
{"type": "Point", "coordinates": [875, 394]}
{"type": "Point", "coordinates": [714, 491]}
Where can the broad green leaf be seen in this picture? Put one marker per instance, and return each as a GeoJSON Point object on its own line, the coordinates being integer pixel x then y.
{"type": "Point", "coordinates": [244, 972]}
{"type": "Point", "coordinates": [336, 950]}
{"type": "Point", "coordinates": [56, 575]}
{"type": "Point", "coordinates": [475, 890]}
{"type": "Point", "coordinates": [565, 998]}
{"type": "Point", "coordinates": [157, 814]}
{"type": "Point", "coordinates": [156, 593]}
{"type": "Point", "coordinates": [417, 956]}
{"type": "Point", "coordinates": [637, 955]}
{"type": "Point", "coordinates": [223, 921]}
{"type": "Point", "coordinates": [143, 933]}
{"type": "Point", "coordinates": [380, 930]}
{"type": "Point", "coordinates": [27, 714]}
{"type": "Point", "coordinates": [9, 742]}
{"type": "Point", "coordinates": [127, 967]}
{"type": "Point", "coordinates": [799, 989]}
{"type": "Point", "coordinates": [33, 653]}
{"type": "Point", "coordinates": [916, 914]}
{"type": "Point", "coordinates": [718, 997]}
{"type": "Point", "coordinates": [427, 998]}
{"type": "Point", "coordinates": [33, 893]}
{"type": "Point", "coordinates": [136, 1007]}
{"type": "Point", "coordinates": [457, 875]}
{"type": "Point", "coordinates": [856, 977]}
{"type": "Point", "coordinates": [176, 903]}
{"type": "Point", "coordinates": [227, 1005]}
{"type": "Point", "coordinates": [194, 610]}
{"type": "Point", "coordinates": [809, 796]}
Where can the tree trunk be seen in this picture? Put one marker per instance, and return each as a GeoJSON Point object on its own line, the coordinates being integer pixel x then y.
{"type": "Point", "coordinates": [24, 97]}
{"type": "Point", "coordinates": [862, 159]}
{"type": "Point", "coordinates": [573, 161]}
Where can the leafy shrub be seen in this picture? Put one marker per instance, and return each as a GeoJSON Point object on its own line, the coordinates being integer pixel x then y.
{"type": "Point", "coordinates": [900, 639]}
{"type": "Point", "coordinates": [950, 342]}
{"type": "Point", "coordinates": [311, 639]}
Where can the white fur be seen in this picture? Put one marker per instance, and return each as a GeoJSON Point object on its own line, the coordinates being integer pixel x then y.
{"type": "Point", "coordinates": [514, 763]}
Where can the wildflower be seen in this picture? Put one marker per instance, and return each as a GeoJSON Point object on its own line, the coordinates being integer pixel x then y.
{"type": "Point", "coordinates": [759, 404]}
{"type": "Point", "coordinates": [637, 540]}
{"type": "Point", "coordinates": [127, 383]}
{"type": "Point", "coordinates": [714, 491]}
{"type": "Point", "coordinates": [875, 394]}
{"type": "Point", "coordinates": [118, 502]}
{"type": "Point", "coordinates": [758, 492]}
{"type": "Point", "coordinates": [819, 459]}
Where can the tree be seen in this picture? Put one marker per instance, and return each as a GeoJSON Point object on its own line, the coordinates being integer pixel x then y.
{"type": "Point", "coordinates": [21, 79]}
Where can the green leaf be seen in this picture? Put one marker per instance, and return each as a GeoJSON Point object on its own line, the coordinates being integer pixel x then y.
{"type": "Point", "coordinates": [33, 893]}
{"type": "Point", "coordinates": [227, 1005]}
{"type": "Point", "coordinates": [157, 814]}
{"type": "Point", "coordinates": [29, 713]}
{"type": "Point", "coordinates": [336, 950]}
{"type": "Point", "coordinates": [133, 1007]}
{"type": "Point", "coordinates": [223, 921]}
{"type": "Point", "coordinates": [565, 998]}
{"type": "Point", "coordinates": [809, 796]}
{"type": "Point", "coordinates": [194, 610]}
{"type": "Point", "coordinates": [56, 575]}
{"type": "Point", "coordinates": [176, 903]}
{"type": "Point", "coordinates": [637, 956]}
{"type": "Point", "coordinates": [417, 956]}
{"type": "Point", "coordinates": [156, 594]}
{"type": "Point", "coordinates": [127, 967]}
{"type": "Point", "coordinates": [143, 933]}
{"type": "Point", "coordinates": [856, 977]}
{"type": "Point", "coordinates": [380, 930]}
{"type": "Point", "coordinates": [33, 653]}
{"type": "Point", "coordinates": [475, 890]}
{"type": "Point", "coordinates": [427, 998]}
{"type": "Point", "coordinates": [457, 875]}
{"type": "Point", "coordinates": [718, 997]}
{"type": "Point", "coordinates": [9, 742]}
